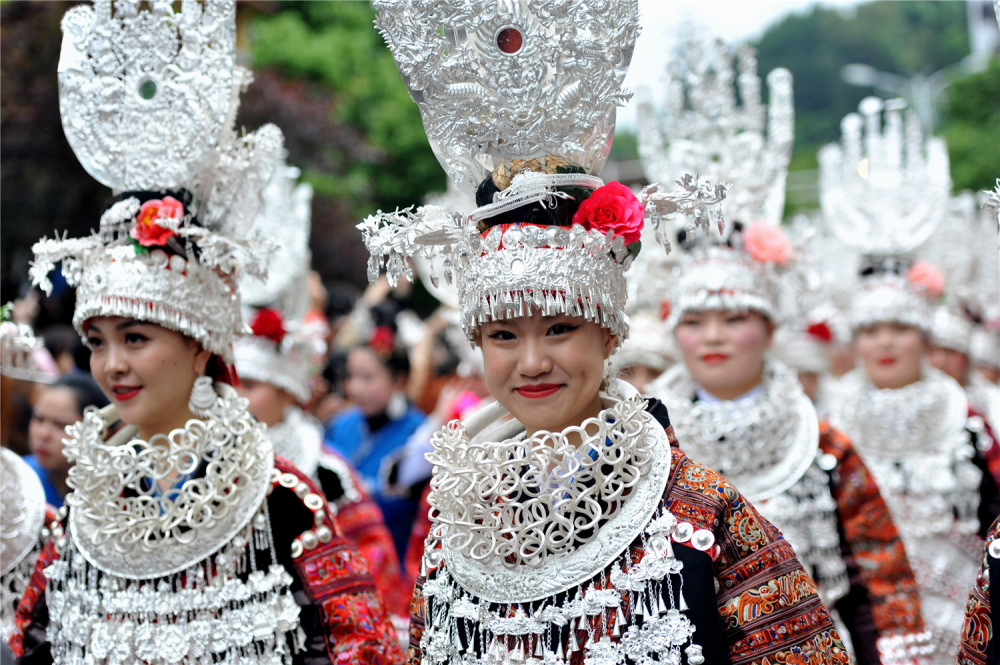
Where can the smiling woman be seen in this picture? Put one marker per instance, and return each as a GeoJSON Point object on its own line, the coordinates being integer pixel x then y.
{"type": "Point", "coordinates": [169, 544]}
{"type": "Point", "coordinates": [567, 527]}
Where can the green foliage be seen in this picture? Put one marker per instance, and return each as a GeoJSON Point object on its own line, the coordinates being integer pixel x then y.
{"type": "Point", "coordinates": [899, 37]}
{"type": "Point", "coordinates": [335, 46]}
{"type": "Point", "coordinates": [972, 129]}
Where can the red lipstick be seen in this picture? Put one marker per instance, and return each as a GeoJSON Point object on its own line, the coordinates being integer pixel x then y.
{"type": "Point", "coordinates": [714, 358]}
{"type": "Point", "coordinates": [124, 393]}
{"type": "Point", "coordinates": [537, 390]}
{"type": "Point", "coordinates": [889, 360]}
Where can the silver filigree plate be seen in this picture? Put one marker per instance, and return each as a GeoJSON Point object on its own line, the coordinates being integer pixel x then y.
{"type": "Point", "coordinates": [23, 500]}
{"type": "Point", "coordinates": [559, 572]}
{"type": "Point", "coordinates": [123, 73]}
{"type": "Point", "coordinates": [769, 442]}
{"type": "Point", "coordinates": [144, 535]}
{"type": "Point", "coordinates": [283, 219]}
{"type": "Point", "coordinates": [511, 79]}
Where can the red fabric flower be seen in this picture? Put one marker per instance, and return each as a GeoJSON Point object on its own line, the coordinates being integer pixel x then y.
{"type": "Point", "coordinates": [146, 231]}
{"type": "Point", "coordinates": [267, 323]}
{"type": "Point", "coordinates": [383, 341]}
{"type": "Point", "coordinates": [820, 331]}
{"type": "Point", "coordinates": [612, 207]}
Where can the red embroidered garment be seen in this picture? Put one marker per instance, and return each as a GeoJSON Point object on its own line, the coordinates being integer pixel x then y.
{"type": "Point", "coordinates": [875, 550]}
{"type": "Point", "coordinates": [361, 522]}
{"type": "Point", "coordinates": [978, 645]}
{"type": "Point", "coordinates": [343, 616]}
{"type": "Point", "coordinates": [767, 607]}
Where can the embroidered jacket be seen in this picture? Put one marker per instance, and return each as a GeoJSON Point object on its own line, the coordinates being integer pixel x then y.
{"type": "Point", "coordinates": [748, 596]}
{"type": "Point", "coordinates": [979, 638]}
{"type": "Point", "coordinates": [361, 522]}
{"type": "Point", "coordinates": [342, 613]}
{"type": "Point", "coordinates": [884, 599]}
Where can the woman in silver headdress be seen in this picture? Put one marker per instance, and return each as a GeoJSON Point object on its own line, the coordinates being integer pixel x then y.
{"type": "Point", "coordinates": [743, 414]}
{"type": "Point", "coordinates": [184, 540]}
{"type": "Point", "coordinates": [565, 527]}
{"type": "Point", "coordinates": [935, 465]}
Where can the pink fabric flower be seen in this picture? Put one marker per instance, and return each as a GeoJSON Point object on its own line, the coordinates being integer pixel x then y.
{"type": "Point", "coordinates": [146, 231]}
{"type": "Point", "coordinates": [767, 243]}
{"type": "Point", "coordinates": [927, 277]}
{"type": "Point", "coordinates": [612, 207]}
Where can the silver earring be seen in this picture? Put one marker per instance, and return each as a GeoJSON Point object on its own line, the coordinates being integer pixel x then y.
{"type": "Point", "coordinates": [203, 397]}
{"type": "Point", "coordinates": [396, 408]}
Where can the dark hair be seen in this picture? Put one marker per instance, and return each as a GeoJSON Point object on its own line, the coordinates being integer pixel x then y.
{"type": "Point", "coordinates": [397, 362]}
{"type": "Point", "coordinates": [538, 212]}
{"type": "Point", "coordinates": [85, 390]}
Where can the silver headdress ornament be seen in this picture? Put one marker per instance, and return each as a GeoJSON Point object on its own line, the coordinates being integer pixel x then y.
{"type": "Point", "coordinates": [522, 92]}
{"type": "Point", "coordinates": [883, 192]}
{"type": "Point", "coordinates": [884, 189]}
{"type": "Point", "coordinates": [21, 353]}
{"type": "Point", "coordinates": [701, 128]}
{"type": "Point", "coordinates": [21, 534]}
{"type": "Point", "coordinates": [148, 100]}
{"type": "Point", "coordinates": [991, 203]}
{"type": "Point", "coordinates": [282, 349]}
{"type": "Point", "coordinates": [719, 268]}
{"type": "Point", "coordinates": [512, 79]}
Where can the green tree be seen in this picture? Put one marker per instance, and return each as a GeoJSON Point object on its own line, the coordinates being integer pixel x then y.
{"type": "Point", "coordinates": [972, 129]}
{"type": "Point", "coordinates": [351, 125]}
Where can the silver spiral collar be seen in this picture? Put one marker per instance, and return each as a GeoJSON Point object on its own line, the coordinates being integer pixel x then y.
{"type": "Point", "coordinates": [118, 521]}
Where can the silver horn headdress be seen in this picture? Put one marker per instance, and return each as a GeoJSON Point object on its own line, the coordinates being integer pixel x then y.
{"type": "Point", "coordinates": [148, 100]}
{"type": "Point", "coordinates": [283, 349]}
{"type": "Point", "coordinates": [702, 129]}
{"type": "Point", "coordinates": [743, 148]}
{"type": "Point", "coordinates": [884, 189]}
{"type": "Point", "coordinates": [524, 95]}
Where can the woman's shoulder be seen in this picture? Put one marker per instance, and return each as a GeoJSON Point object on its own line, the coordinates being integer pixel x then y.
{"type": "Point", "coordinates": [708, 500]}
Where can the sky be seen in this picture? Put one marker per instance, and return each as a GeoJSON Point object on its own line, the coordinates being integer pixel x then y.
{"type": "Point", "coordinates": [735, 21]}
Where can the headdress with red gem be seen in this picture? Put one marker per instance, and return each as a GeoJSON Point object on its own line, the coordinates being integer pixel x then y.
{"type": "Point", "coordinates": [523, 95]}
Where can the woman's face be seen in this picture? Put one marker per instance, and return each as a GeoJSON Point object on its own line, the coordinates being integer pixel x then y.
{"type": "Point", "coordinates": [891, 353]}
{"type": "Point", "coordinates": [267, 401]}
{"type": "Point", "coordinates": [546, 370]}
{"type": "Point", "coordinates": [369, 383]}
{"type": "Point", "coordinates": [146, 370]}
{"type": "Point", "coordinates": [55, 408]}
{"type": "Point", "coordinates": [724, 350]}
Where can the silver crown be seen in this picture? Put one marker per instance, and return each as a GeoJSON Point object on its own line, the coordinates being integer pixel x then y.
{"type": "Point", "coordinates": [512, 79]}
{"type": "Point", "coordinates": [702, 129]}
{"type": "Point", "coordinates": [884, 188]}
{"type": "Point", "coordinates": [718, 270]}
{"type": "Point", "coordinates": [19, 349]}
{"type": "Point", "coordinates": [284, 220]}
{"type": "Point", "coordinates": [148, 100]}
{"type": "Point", "coordinates": [535, 82]}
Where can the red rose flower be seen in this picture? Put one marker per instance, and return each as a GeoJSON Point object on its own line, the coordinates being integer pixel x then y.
{"type": "Point", "coordinates": [383, 341]}
{"type": "Point", "coordinates": [821, 332]}
{"type": "Point", "coordinates": [267, 323]}
{"type": "Point", "coordinates": [612, 207]}
{"type": "Point", "coordinates": [146, 231]}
